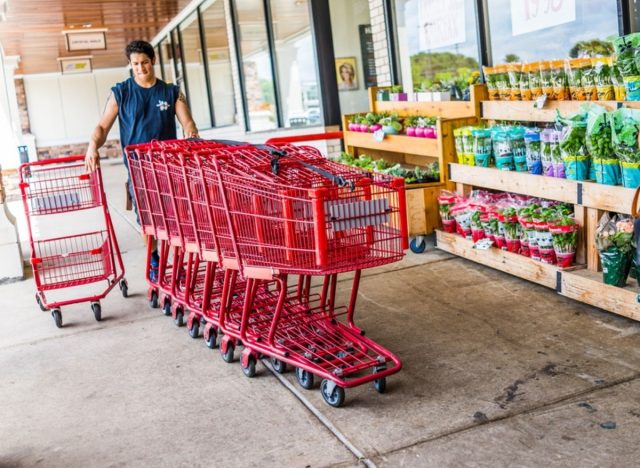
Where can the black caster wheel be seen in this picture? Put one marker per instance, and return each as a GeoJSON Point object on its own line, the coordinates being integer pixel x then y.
{"type": "Point", "coordinates": [418, 247]}
{"type": "Point", "coordinates": [279, 366]}
{"type": "Point", "coordinates": [124, 288]}
{"type": "Point", "coordinates": [97, 311]}
{"type": "Point", "coordinates": [250, 370]}
{"type": "Point", "coordinates": [332, 396]}
{"type": "Point", "coordinates": [42, 308]}
{"type": "Point", "coordinates": [153, 302]}
{"type": "Point", "coordinates": [305, 378]}
{"type": "Point", "coordinates": [166, 308]}
{"type": "Point", "coordinates": [228, 355]}
{"type": "Point", "coordinates": [179, 320]}
{"type": "Point", "coordinates": [194, 331]}
{"type": "Point", "coordinates": [57, 317]}
{"type": "Point", "coordinates": [211, 342]}
{"type": "Point", "coordinates": [380, 384]}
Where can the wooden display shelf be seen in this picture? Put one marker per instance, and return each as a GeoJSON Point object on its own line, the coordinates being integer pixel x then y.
{"type": "Point", "coordinates": [514, 264]}
{"type": "Point", "coordinates": [410, 145]}
{"type": "Point", "coordinates": [444, 109]}
{"type": "Point", "coordinates": [587, 286]}
{"type": "Point", "coordinates": [517, 182]}
{"type": "Point", "coordinates": [586, 193]}
{"type": "Point", "coordinates": [524, 111]}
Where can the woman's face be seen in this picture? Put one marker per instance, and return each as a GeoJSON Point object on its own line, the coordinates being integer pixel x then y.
{"type": "Point", "coordinates": [345, 73]}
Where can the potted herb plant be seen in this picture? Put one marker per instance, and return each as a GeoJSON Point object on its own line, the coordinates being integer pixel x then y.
{"type": "Point", "coordinates": [446, 200]}
{"type": "Point", "coordinates": [423, 94]}
{"type": "Point", "coordinates": [391, 124]}
{"type": "Point", "coordinates": [382, 94]}
{"type": "Point", "coordinates": [509, 220]}
{"type": "Point", "coordinates": [396, 94]}
{"type": "Point", "coordinates": [564, 231]}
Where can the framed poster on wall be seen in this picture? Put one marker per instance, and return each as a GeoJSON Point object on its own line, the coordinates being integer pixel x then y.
{"type": "Point", "coordinates": [346, 74]}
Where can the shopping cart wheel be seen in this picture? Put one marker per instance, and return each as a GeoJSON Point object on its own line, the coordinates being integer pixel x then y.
{"type": "Point", "coordinates": [380, 384]}
{"type": "Point", "coordinates": [279, 366]}
{"type": "Point", "coordinates": [97, 311]}
{"type": "Point", "coordinates": [153, 300]}
{"type": "Point", "coordinates": [418, 244]}
{"type": "Point", "coordinates": [305, 378]}
{"type": "Point", "coordinates": [124, 288]}
{"type": "Point", "coordinates": [166, 308]}
{"type": "Point", "coordinates": [227, 350]}
{"type": "Point", "coordinates": [332, 393]}
{"type": "Point", "coordinates": [57, 317]}
{"type": "Point", "coordinates": [248, 368]}
{"type": "Point", "coordinates": [42, 308]}
{"type": "Point", "coordinates": [211, 338]}
{"type": "Point", "coordinates": [179, 319]}
{"type": "Point", "coordinates": [194, 329]}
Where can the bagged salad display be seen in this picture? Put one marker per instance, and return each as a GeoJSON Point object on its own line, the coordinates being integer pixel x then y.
{"type": "Point", "coordinates": [600, 146]}
{"type": "Point", "coordinates": [624, 136]}
{"type": "Point", "coordinates": [573, 146]}
{"type": "Point", "coordinates": [482, 146]}
{"type": "Point", "coordinates": [533, 149]}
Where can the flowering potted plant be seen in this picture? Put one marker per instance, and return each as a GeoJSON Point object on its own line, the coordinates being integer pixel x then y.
{"type": "Point", "coordinates": [446, 200]}
{"type": "Point", "coordinates": [525, 216]}
{"type": "Point", "coordinates": [564, 231]}
{"type": "Point", "coordinates": [614, 240]}
{"type": "Point", "coordinates": [396, 94]}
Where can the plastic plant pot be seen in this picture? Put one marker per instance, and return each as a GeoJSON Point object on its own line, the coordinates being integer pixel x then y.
{"type": "Point", "coordinates": [449, 225]}
{"type": "Point", "coordinates": [565, 259]}
{"type": "Point", "coordinates": [524, 249]}
{"type": "Point", "coordinates": [382, 95]}
{"type": "Point", "coordinates": [354, 127]}
{"type": "Point", "coordinates": [547, 255]}
{"type": "Point", "coordinates": [374, 128]}
{"type": "Point", "coordinates": [419, 132]}
{"type": "Point", "coordinates": [429, 132]}
{"type": "Point", "coordinates": [364, 128]}
{"type": "Point", "coordinates": [513, 245]}
{"type": "Point", "coordinates": [389, 130]}
{"type": "Point", "coordinates": [477, 234]}
{"type": "Point", "coordinates": [410, 131]}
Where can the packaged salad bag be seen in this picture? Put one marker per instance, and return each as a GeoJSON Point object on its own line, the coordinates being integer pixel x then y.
{"type": "Point", "coordinates": [482, 146]}
{"type": "Point", "coordinates": [624, 135]}
{"type": "Point", "coordinates": [556, 155]}
{"type": "Point", "coordinates": [546, 151]}
{"type": "Point", "coordinates": [600, 146]}
{"type": "Point", "coordinates": [490, 80]}
{"type": "Point", "coordinates": [574, 69]}
{"type": "Point", "coordinates": [514, 71]}
{"type": "Point", "coordinates": [502, 150]}
{"type": "Point", "coordinates": [572, 144]}
{"type": "Point", "coordinates": [602, 68]}
{"type": "Point", "coordinates": [532, 147]}
{"type": "Point", "coordinates": [533, 74]}
{"type": "Point", "coordinates": [518, 148]}
{"type": "Point", "coordinates": [559, 81]}
{"type": "Point", "coordinates": [546, 80]}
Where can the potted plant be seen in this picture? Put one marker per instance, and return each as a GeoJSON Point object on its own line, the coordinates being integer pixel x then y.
{"type": "Point", "coordinates": [439, 93]}
{"type": "Point", "coordinates": [446, 200]}
{"type": "Point", "coordinates": [614, 240]}
{"type": "Point", "coordinates": [382, 94]}
{"type": "Point", "coordinates": [354, 123]}
{"type": "Point", "coordinates": [564, 231]}
{"type": "Point", "coordinates": [477, 229]}
{"type": "Point", "coordinates": [509, 220]}
{"type": "Point", "coordinates": [545, 240]}
{"type": "Point", "coordinates": [525, 217]}
{"type": "Point", "coordinates": [423, 94]}
{"type": "Point", "coordinates": [372, 120]}
{"type": "Point", "coordinates": [391, 124]}
{"type": "Point", "coordinates": [396, 93]}
{"type": "Point", "coordinates": [410, 126]}
{"type": "Point", "coordinates": [430, 127]}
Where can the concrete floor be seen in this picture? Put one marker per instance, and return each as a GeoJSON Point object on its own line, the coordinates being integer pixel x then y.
{"type": "Point", "coordinates": [497, 372]}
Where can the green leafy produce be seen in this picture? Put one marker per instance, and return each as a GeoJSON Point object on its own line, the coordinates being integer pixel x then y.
{"type": "Point", "coordinates": [624, 128]}
{"type": "Point", "coordinates": [598, 137]}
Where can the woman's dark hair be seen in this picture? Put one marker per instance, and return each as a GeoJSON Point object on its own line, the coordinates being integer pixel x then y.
{"type": "Point", "coordinates": [140, 47]}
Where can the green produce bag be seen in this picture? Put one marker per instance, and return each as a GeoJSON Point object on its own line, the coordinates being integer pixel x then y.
{"type": "Point", "coordinates": [630, 174]}
{"type": "Point", "coordinates": [624, 136]}
{"type": "Point", "coordinates": [483, 160]}
{"type": "Point", "coordinates": [518, 148]}
{"type": "Point", "coordinates": [482, 146]}
{"type": "Point", "coordinates": [573, 146]}
{"type": "Point", "coordinates": [607, 171]}
{"type": "Point", "coordinates": [615, 266]}
{"type": "Point", "coordinates": [502, 150]}
{"type": "Point", "coordinates": [632, 87]}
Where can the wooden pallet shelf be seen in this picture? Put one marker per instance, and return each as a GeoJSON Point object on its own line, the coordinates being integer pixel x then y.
{"type": "Point", "coordinates": [590, 201]}
{"type": "Point", "coordinates": [410, 145]}
{"type": "Point", "coordinates": [514, 264]}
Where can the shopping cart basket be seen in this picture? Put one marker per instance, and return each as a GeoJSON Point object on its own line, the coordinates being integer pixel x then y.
{"type": "Point", "coordinates": [51, 190]}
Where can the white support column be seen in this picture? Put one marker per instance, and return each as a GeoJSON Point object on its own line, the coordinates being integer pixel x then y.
{"type": "Point", "coordinates": [11, 267]}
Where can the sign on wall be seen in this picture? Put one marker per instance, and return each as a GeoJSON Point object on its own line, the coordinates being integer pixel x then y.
{"type": "Point", "coordinates": [442, 23]}
{"type": "Point", "coordinates": [368, 55]}
{"type": "Point", "coordinates": [72, 65]}
{"type": "Point", "coordinates": [533, 15]}
{"type": "Point", "coordinates": [85, 40]}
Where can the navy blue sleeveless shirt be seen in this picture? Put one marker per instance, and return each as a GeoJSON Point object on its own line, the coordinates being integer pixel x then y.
{"type": "Point", "coordinates": [146, 114]}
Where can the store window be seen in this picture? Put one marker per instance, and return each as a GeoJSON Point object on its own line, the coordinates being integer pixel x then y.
{"type": "Point", "coordinates": [157, 68]}
{"type": "Point", "coordinates": [296, 61]}
{"type": "Point", "coordinates": [350, 22]}
{"type": "Point", "coordinates": [167, 60]}
{"type": "Point", "coordinates": [176, 60]}
{"type": "Point", "coordinates": [530, 30]}
{"type": "Point", "coordinates": [437, 43]}
{"type": "Point", "coordinates": [221, 81]}
{"type": "Point", "coordinates": [195, 74]}
{"type": "Point", "coordinates": [256, 64]}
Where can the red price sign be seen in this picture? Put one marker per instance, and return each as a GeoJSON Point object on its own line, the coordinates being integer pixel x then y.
{"type": "Point", "coordinates": [533, 15]}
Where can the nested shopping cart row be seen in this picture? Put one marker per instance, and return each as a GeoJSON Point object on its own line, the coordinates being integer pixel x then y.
{"type": "Point", "coordinates": [243, 232]}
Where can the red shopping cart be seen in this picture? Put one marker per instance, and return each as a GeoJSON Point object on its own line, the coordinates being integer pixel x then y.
{"type": "Point", "coordinates": [70, 261]}
{"type": "Point", "coordinates": [269, 220]}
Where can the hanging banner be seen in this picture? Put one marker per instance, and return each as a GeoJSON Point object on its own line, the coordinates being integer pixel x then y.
{"type": "Point", "coordinates": [442, 23]}
{"type": "Point", "coordinates": [533, 15]}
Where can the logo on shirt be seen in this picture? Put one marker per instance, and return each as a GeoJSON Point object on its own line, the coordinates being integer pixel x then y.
{"type": "Point", "coordinates": [162, 105]}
